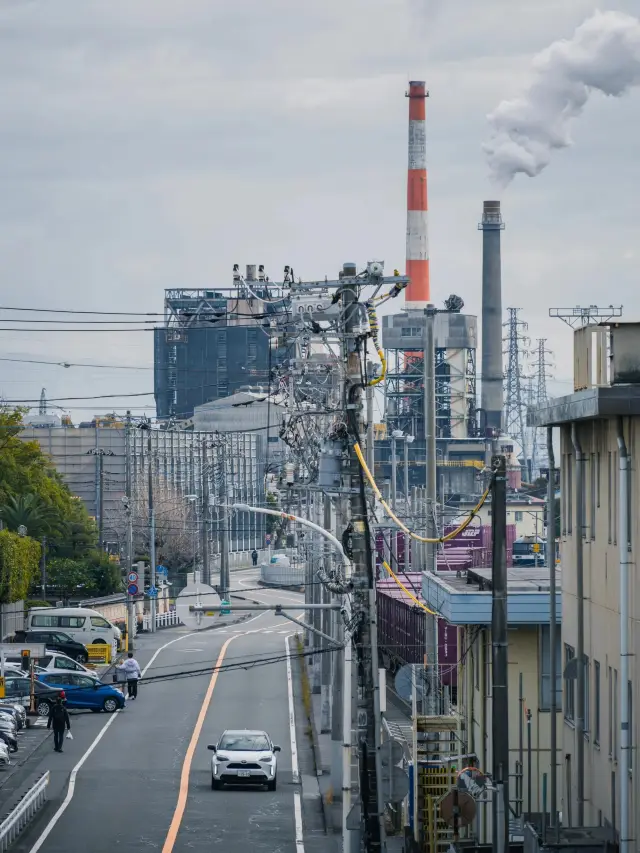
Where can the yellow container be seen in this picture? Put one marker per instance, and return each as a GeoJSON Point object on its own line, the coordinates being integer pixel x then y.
{"type": "Point", "coordinates": [99, 653]}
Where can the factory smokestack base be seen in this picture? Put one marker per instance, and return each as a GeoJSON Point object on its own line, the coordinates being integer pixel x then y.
{"type": "Point", "coordinates": [492, 394]}
{"type": "Point", "coordinates": [418, 293]}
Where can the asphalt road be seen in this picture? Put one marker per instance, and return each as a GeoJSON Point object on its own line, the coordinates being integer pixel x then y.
{"type": "Point", "coordinates": [142, 776]}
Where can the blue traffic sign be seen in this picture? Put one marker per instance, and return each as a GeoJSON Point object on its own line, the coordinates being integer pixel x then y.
{"type": "Point", "coordinates": [132, 589]}
{"type": "Point", "coordinates": [133, 577]}
{"type": "Point", "coordinates": [162, 570]}
{"type": "Point", "coordinates": [153, 592]}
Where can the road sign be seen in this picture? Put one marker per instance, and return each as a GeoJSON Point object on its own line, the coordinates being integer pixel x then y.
{"type": "Point", "coordinates": [36, 650]}
{"type": "Point", "coordinates": [1, 687]}
{"type": "Point", "coordinates": [153, 592]}
{"type": "Point", "coordinates": [132, 577]}
{"type": "Point", "coordinates": [162, 570]}
{"type": "Point", "coordinates": [268, 538]}
{"type": "Point", "coordinates": [132, 589]}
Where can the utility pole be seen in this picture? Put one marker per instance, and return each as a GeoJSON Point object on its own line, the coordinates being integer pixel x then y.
{"type": "Point", "coordinates": [100, 453]}
{"type": "Point", "coordinates": [131, 613]}
{"type": "Point", "coordinates": [431, 623]}
{"type": "Point", "coordinates": [224, 537]}
{"type": "Point", "coordinates": [499, 669]}
{"type": "Point", "coordinates": [363, 578]}
{"type": "Point", "coordinates": [152, 537]}
{"type": "Point", "coordinates": [43, 568]}
{"type": "Point", "coordinates": [206, 578]}
{"type": "Point", "coordinates": [516, 341]}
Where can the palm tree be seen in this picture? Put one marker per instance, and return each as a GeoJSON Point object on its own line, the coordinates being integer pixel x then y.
{"type": "Point", "coordinates": [32, 512]}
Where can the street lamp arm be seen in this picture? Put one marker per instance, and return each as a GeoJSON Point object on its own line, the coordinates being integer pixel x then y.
{"type": "Point", "coordinates": [304, 521]}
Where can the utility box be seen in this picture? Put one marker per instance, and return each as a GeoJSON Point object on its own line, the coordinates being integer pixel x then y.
{"type": "Point", "coordinates": [330, 464]}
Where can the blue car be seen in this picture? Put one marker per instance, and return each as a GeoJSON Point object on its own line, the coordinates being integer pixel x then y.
{"type": "Point", "coordinates": [81, 691]}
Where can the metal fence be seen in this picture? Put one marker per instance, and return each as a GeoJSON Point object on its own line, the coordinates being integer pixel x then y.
{"type": "Point", "coordinates": [19, 817]}
{"type": "Point", "coordinates": [163, 620]}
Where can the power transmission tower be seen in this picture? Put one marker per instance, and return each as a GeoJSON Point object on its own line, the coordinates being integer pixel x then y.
{"type": "Point", "coordinates": [539, 398]}
{"type": "Point", "coordinates": [514, 408]}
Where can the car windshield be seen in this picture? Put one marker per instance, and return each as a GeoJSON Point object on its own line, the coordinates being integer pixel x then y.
{"type": "Point", "coordinates": [241, 741]}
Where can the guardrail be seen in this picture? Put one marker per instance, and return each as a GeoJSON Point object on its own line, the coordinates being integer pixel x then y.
{"type": "Point", "coordinates": [99, 653]}
{"type": "Point", "coordinates": [19, 817]}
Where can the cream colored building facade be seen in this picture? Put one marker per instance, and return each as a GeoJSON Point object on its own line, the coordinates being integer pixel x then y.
{"type": "Point", "coordinates": [526, 513]}
{"type": "Point", "coordinates": [594, 423]}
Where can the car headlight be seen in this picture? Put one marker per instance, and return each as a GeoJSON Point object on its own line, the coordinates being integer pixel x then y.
{"type": "Point", "coordinates": [222, 757]}
{"type": "Point", "coordinates": [267, 759]}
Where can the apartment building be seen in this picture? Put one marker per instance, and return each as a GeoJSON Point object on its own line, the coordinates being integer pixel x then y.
{"type": "Point", "coordinates": [599, 428]}
{"type": "Point", "coordinates": [465, 602]}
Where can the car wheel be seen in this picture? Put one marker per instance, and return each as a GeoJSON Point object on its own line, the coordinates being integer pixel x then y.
{"type": "Point", "coordinates": [215, 784]}
{"type": "Point", "coordinates": [271, 786]}
{"type": "Point", "coordinates": [43, 706]}
{"type": "Point", "coordinates": [110, 705]}
{"type": "Point", "coordinates": [82, 658]}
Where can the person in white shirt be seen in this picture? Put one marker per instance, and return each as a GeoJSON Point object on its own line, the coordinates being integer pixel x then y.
{"type": "Point", "coordinates": [132, 671]}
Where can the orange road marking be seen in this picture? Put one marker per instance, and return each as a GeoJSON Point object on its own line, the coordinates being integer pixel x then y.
{"type": "Point", "coordinates": [178, 814]}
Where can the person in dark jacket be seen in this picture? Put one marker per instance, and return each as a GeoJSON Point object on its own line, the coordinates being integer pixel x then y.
{"type": "Point", "coordinates": [59, 719]}
{"type": "Point", "coordinates": [254, 557]}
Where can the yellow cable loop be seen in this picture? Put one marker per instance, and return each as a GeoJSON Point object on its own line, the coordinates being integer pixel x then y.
{"type": "Point", "coordinates": [373, 322]}
{"type": "Point", "coordinates": [404, 589]}
{"type": "Point", "coordinates": [451, 535]}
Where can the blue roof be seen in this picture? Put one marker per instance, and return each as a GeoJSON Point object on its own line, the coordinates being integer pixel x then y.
{"type": "Point", "coordinates": [465, 598]}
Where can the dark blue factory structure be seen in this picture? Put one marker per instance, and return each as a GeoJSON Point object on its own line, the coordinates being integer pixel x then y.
{"type": "Point", "coordinates": [213, 343]}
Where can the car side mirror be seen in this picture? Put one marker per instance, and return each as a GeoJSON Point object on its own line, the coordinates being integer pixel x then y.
{"type": "Point", "coordinates": [211, 747]}
{"type": "Point", "coordinates": [96, 685]}
{"type": "Point", "coordinates": [277, 749]}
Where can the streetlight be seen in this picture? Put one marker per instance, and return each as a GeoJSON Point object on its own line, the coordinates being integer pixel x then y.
{"type": "Point", "coordinates": [346, 667]}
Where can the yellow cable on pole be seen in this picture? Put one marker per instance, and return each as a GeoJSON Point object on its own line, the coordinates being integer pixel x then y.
{"type": "Point", "coordinates": [373, 324]}
{"type": "Point", "coordinates": [451, 535]}
{"type": "Point", "coordinates": [404, 589]}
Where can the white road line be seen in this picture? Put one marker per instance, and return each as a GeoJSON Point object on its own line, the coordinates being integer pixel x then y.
{"type": "Point", "coordinates": [297, 810]}
{"type": "Point", "coordinates": [295, 772]}
{"type": "Point", "coordinates": [74, 773]}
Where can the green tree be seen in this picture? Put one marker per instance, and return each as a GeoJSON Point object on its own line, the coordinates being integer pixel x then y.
{"type": "Point", "coordinates": [69, 577]}
{"type": "Point", "coordinates": [32, 513]}
{"type": "Point", "coordinates": [106, 576]}
{"type": "Point", "coordinates": [19, 561]}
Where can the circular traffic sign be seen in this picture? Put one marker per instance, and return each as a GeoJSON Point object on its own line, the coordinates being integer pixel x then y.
{"type": "Point", "coordinates": [132, 577]}
{"type": "Point", "coordinates": [132, 589]}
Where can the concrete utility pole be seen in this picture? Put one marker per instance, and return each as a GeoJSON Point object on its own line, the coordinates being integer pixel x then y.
{"type": "Point", "coordinates": [100, 453]}
{"type": "Point", "coordinates": [224, 537]}
{"type": "Point", "coordinates": [368, 696]}
{"type": "Point", "coordinates": [430, 432]}
{"type": "Point", "coordinates": [152, 538]}
{"type": "Point", "coordinates": [131, 612]}
{"type": "Point", "coordinates": [206, 576]}
{"type": "Point", "coordinates": [325, 660]}
{"type": "Point", "coordinates": [499, 669]}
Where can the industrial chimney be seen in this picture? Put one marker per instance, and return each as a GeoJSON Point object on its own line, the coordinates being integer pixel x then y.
{"type": "Point", "coordinates": [418, 293]}
{"type": "Point", "coordinates": [492, 395]}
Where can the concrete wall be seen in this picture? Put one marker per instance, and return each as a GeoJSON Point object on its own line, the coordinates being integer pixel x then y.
{"type": "Point", "coordinates": [601, 610]}
{"type": "Point", "coordinates": [476, 707]}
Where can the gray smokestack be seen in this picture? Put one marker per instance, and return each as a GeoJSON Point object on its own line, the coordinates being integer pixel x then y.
{"type": "Point", "coordinates": [491, 398]}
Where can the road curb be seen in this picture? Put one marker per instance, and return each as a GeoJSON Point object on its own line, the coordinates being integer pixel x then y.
{"type": "Point", "coordinates": [312, 731]}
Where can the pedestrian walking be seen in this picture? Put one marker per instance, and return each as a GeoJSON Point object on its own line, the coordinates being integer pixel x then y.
{"type": "Point", "coordinates": [133, 674]}
{"type": "Point", "coordinates": [59, 720]}
{"type": "Point", "coordinates": [254, 557]}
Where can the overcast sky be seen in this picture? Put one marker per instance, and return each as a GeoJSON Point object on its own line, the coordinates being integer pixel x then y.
{"type": "Point", "coordinates": [147, 144]}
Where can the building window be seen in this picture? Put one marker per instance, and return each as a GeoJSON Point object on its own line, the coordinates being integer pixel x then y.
{"type": "Point", "coordinates": [545, 669]}
{"type": "Point", "coordinates": [569, 686]}
{"type": "Point", "coordinates": [596, 702]}
{"type": "Point", "coordinates": [587, 695]}
{"type": "Point", "coordinates": [519, 515]}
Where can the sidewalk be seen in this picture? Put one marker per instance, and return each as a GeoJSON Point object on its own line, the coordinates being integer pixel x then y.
{"type": "Point", "coordinates": [323, 747]}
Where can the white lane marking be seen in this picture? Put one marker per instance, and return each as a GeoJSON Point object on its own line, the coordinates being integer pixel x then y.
{"type": "Point", "coordinates": [267, 632]}
{"type": "Point", "coordinates": [295, 772]}
{"type": "Point", "coordinates": [74, 773]}
{"type": "Point", "coordinates": [297, 810]}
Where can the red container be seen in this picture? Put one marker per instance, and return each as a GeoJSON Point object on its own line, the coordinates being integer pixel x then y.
{"type": "Point", "coordinates": [402, 625]}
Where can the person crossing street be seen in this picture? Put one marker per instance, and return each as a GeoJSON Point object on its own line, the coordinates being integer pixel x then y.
{"type": "Point", "coordinates": [59, 719]}
{"type": "Point", "coordinates": [254, 557]}
{"type": "Point", "coordinates": [133, 674]}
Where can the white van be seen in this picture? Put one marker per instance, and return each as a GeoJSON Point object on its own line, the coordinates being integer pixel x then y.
{"type": "Point", "coordinates": [83, 625]}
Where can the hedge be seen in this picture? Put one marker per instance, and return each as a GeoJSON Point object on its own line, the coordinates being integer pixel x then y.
{"type": "Point", "coordinates": [19, 561]}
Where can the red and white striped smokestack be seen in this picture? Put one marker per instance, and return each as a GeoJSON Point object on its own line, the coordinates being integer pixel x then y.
{"type": "Point", "coordinates": [418, 292]}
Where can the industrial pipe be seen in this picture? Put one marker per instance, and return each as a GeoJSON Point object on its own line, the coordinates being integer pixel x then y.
{"type": "Point", "coordinates": [578, 536]}
{"type": "Point", "coordinates": [623, 552]}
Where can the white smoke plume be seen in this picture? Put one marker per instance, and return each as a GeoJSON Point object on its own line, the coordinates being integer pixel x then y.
{"type": "Point", "coordinates": [602, 56]}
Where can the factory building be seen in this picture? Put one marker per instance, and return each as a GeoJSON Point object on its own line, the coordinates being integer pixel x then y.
{"type": "Point", "coordinates": [213, 343]}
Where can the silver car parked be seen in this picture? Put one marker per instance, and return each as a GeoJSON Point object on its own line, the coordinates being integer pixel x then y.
{"type": "Point", "coordinates": [244, 756]}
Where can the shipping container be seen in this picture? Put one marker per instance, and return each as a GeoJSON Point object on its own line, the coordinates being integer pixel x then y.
{"type": "Point", "coordinates": [402, 628]}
